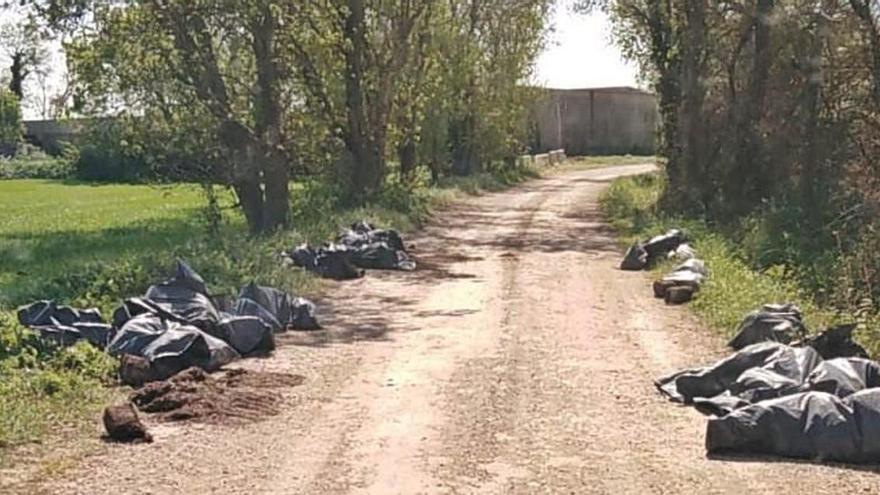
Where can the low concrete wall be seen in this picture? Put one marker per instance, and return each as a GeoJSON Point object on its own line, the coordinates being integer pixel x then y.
{"type": "Point", "coordinates": [597, 121]}
{"type": "Point", "coordinates": [554, 157]}
{"type": "Point", "coordinates": [49, 134]}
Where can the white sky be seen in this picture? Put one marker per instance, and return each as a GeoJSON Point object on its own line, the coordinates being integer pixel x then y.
{"type": "Point", "coordinates": [579, 55]}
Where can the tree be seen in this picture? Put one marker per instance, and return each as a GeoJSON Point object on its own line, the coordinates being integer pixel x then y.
{"type": "Point", "coordinates": [25, 46]}
{"type": "Point", "coordinates": [242, 93]}
{"type": "Point", "coordinates": [371, 43]}
{"type": "Point", "coordinates": [210, 73]}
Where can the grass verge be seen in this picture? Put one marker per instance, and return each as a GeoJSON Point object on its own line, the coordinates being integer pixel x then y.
{"type": "Point", "coordinates": [734, 286]}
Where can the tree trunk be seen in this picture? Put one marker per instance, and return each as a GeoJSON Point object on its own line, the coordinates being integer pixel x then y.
{"type": "Point", "coordinates": [250, 196]}
{"type": "Point", "coordinates": [276, 176]}
{"type": "Point", "coordinates": [693, 129]}
{"type": "Point", "coordinates": [407, 155]}
{"type": "Point", "coordinates": [17, 73]}
{"type": "Point", "coordinates": [245, 172]}
{"type": "Point", "coordinates": [367, 151]}
{"type": "Point", "coordinates": [276, 173]}
{"type": "Point", "coordinates": [811, 179]}
{"type": "Point", "coordinates": [462, 135]}
{"type": "Point", "coordinates": [667, 61]}
{"type": "Point", "coordinates": [751, 160]}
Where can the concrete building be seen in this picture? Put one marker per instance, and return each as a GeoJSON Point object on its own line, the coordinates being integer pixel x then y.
{"type": "Point", "coordinates": [597, 121]}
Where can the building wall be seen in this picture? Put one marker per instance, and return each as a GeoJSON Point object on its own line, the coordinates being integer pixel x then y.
{"type": "Point", "coordinates": [50, 134]}
{"type": "Point", "coordinates": [597, 121]}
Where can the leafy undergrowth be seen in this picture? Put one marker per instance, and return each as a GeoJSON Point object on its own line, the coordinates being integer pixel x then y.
{"type": "Point", "coordinates": [734, 287]}
{"type": "Point", "coordinates": [45, 390]}
{"type": "Point", "coordinates": [36, 165]}
{"type": "Point", "coordinates": [94, 245]}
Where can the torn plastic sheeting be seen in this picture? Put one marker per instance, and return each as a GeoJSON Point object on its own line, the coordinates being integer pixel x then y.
{"type": "Point", "coordinates": [379, 256]}
{"type": "Point", "coordinates": [363, 234]}
{"type": "Point", "coordinates": [641, 255]}
{"type": "Point", "coordinates": [706, 383]}
{"type": "Point", "coordinates": [659, 246]}
{"type": "Point", "coordinates": [361, 246]}
{"type": "Point", "coordinates": [178, 297]}
{"type": "Point", "coordinates": [246, 334]}
{"type": "Point", "coordinates": [773, 322]}
{"type": "Point", "coordinates": [330, 261]}
{"type": "Point", "coordinates": [844, 376]}
{"type": "Point", "coordinates": [97, 334]}
{"type": "Point", "coordinates": [837, 342]}
{"type": "Point", "coordinates": [198, 332]}
{"type": "Point", "coordinates": [248, 325]}
{"type": "Point", "coordinates": [375, 249]}
{"type": "Point", "coordinates": [765, 371]}
{"type": "Point", "coordinates": [809, 425]}
{"type": "Point", "coordinates": [284, 310]}
{"type": "Point", "coordinates": [692, 265]}
{"type": "Point", "coordinates": [65, 325]}
{"type": "Point", "coordinates": [691, 274]}
{"type": "Point", "coordinates": [635, 259]}
{"type": "Point", "coordinates": [683, 252]}
{"type": "Point", "coordinates": [43, 313]}
{"type": "Point", "coordinates": [170, 346]}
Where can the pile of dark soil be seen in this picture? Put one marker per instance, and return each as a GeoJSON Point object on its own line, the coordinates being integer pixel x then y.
{"type": "Point", "coordinates": [193, 395]}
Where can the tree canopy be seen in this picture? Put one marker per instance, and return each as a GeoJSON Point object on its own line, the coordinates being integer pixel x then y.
{"type": "Point", "coordinates": [252, 93]}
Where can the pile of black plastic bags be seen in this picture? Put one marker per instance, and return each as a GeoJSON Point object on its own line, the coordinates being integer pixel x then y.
{"type": "Point", "coordinates": [177, 324]}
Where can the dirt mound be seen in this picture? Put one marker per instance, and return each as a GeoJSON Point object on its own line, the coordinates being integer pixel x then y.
{"type": "Point", "coordinates": [194, 395]}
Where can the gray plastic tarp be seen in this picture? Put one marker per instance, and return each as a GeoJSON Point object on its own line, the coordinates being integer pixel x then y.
{"type": "Point", "coordinates": [773, 322]}
{"type": "Point", "coordinates": [809, 425]}
{"type": "Point", "coordinates": [170, 346]}
{"type": "Point", "coordinates": [360, 247]}
{"type": "Point", "coordinates": [178, 324]}
{"type": "Point", "coordinates": [65, 325]}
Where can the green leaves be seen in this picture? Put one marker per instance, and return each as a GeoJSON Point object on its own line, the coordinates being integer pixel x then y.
{"type": "Point", "coordinates": [10, 123]}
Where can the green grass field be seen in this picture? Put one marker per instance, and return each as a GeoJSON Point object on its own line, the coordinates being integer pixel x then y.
{"type": "Point", "coordinates": [50, 230]}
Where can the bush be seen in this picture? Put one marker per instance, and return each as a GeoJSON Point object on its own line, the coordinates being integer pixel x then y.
{"type": "Point", "coordinates": [10, 123]}
{"type": "Point", "coordinates": [33, 163]}
{"type": "Point", "coordinates": [106, 154]}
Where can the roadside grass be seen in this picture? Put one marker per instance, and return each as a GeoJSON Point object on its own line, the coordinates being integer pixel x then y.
{"type": "Point", "coordinates": [94, 245]}
{"type": "Point", "coordinates": [590, 162]}
{"type": "Point", "coordinates": [734, 288]}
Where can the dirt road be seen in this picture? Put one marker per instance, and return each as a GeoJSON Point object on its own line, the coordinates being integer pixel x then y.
{"type": "Point", "coordinates": [519, 360]}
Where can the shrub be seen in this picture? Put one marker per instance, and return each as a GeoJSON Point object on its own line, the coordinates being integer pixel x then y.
{"type": "Point", "coordinates": [10, 123]}
{"type": "Point", "coordinates": [106, 154]}
{"type": "Point", "coordinates": [33, 163]}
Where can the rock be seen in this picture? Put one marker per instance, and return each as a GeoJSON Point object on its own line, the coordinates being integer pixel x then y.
{"type": "Point", "coordinates": [123, 425]}
{"type": "Point", "coordinates": [679, 294]}
{"type": "Point", "coordinates": [135, 371]}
